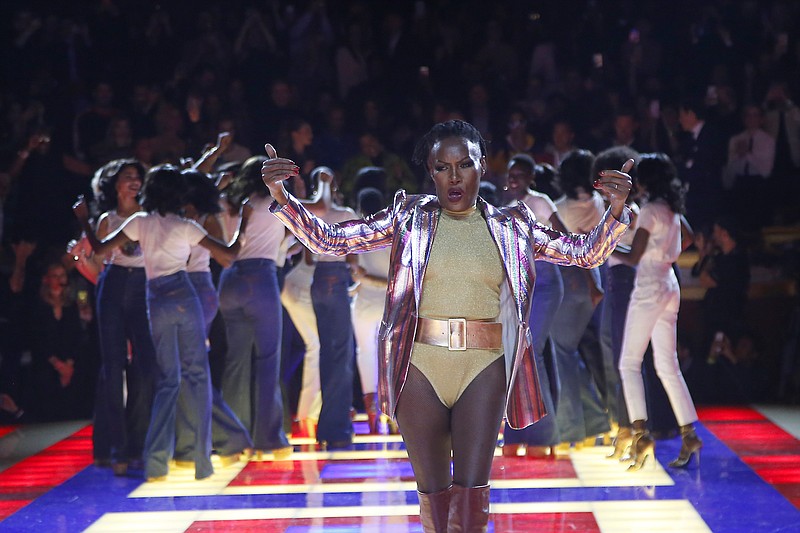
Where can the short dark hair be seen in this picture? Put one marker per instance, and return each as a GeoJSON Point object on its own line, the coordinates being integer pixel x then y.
{"type": "Point", "coordinates": [445, 130]}
{"type": "Point", "coordinates": [522, 159]}
{"type": "Point", "coordinates": [105, 179]}
{"type": "Point", "coordinates": [164, 190]}
{"type": "Point", "coordinates": [247, 181]}
{"type": "Point", "coordinates": [546, 180]}
{"type": "Point", "coordinates": [370, 200]}
{"type": "Point", "coordinates": [576, 172]}
{"type": "Point", "coordinates": [201, 192]}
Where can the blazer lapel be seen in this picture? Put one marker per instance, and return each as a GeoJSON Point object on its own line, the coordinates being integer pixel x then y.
{"type": "Point", "coordinates": [423, 230]}
{"type": "Point", "coordinates": [504, 233]}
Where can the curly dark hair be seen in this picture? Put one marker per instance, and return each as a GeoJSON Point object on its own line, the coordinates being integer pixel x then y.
{"type": "Point", "coordinates": [613, 158]}
{"type": "Point", "coordinates": [657, 174]}
{"type": "Point", "coordinates": [247, 181]}
{"type": "Point", "coordinates": [575, 173]}
{"type": "Point", "coordinates": [104, 182]}
{"type": "Point", "coordinates": [164, 190]}
{"type": "Point", "coordinates": [445, 130]}
{"type": "Point", "coordinates": [201, 192]}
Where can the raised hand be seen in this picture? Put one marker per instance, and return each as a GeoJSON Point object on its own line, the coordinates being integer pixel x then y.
{"type": "Point", "coordinates": [80, 209]}
{"type": "Point", "coordinates": [616, 184]}
{"type": "Point", "coordinates": [275, 170]}
{"type": "Point", "coordinates": [224, 140]}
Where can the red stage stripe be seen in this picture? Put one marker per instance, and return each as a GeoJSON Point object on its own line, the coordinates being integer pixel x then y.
{"type": "Point", "coordinates": [770, 451]}
{"type": "Point", "coordinates": [5, 430]}
{"type": "Point", "coordinates": [30, 478]}
{"type": "Point", "coordinates": [517, 523]}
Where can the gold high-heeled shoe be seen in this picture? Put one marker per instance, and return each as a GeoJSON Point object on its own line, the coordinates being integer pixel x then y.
{"type": "Point", "coordinates": [622, 443]}
{"type": "Point", "coordinates": [642, 447]}
{"type": "Point", "coordinates": [690, 445]}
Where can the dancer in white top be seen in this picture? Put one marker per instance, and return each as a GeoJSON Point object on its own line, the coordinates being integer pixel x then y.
{"type": "Point", "coordinates": [249, 299]}
{"type": "Point", "coordinates": [229, 438]}
{"type": "Point", "coordinates": [174, 311]}
{"type": "Point", "coordinates": [126, 348]}
{"type": "Point", "coordinates": [661, 236]}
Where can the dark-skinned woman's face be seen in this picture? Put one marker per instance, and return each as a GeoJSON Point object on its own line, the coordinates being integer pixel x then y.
{"type": "Point", "coordinates": [456, 166]}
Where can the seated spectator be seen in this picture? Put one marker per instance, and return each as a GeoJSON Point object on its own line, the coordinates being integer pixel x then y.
{"type": "Point", "coordinates": [735, 372]}
{"type": "Point", "coordinates": [626, 131]}
{"type": "Point", "coordinates": [724, 271]}
{"type": "Point", "coordinates": [373, 154]}
{"type": "Point", "coordinates": [561, 143]}
{"type": "Point", "coordinates": [516, 140]}
{"type": "Point", "coordinates": [335, 144]}
{"type": "Point", "coordinates": [55, 326]}
{"type": "Point", "coordinates": [117, 144]}
{"type": "Point", "coordinates": [235, 151]}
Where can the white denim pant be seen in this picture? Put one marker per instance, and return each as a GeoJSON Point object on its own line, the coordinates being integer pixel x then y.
{"type": "Point", "coordinates": [296, 298]}
{"type": "Point", "coordinates": [653, 317]}
{"type": "Point", "coordinates": [367, 314]}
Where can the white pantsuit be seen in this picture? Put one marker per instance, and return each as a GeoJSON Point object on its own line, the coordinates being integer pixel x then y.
{"type": "Point", "coordinates": [653, 317]}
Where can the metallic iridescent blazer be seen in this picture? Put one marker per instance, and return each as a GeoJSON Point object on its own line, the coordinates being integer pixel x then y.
{"type": "Point", "coordinates": [409, 226]}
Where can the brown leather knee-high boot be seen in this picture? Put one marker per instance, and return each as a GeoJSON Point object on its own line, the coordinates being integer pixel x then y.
{"type": "Point", "coordinates": [469, 509]}
{"type": "Point", "coordinates": [434, 509]}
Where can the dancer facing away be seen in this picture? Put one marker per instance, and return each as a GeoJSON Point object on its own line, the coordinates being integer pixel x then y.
{"type": "Point", "coordinates": [173, 309]}
{"type": "Point", "coordinates": [662, 234]}
{"type": "Point", "coordinates": [229, 438]}
{"type": "Point", "coordinates": [454, 338]}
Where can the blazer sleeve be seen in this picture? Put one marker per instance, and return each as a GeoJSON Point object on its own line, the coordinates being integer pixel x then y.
{"type": "Point", "coordinates": [354, 236]}
{"type": "Point", "coordinates": [586, 250]}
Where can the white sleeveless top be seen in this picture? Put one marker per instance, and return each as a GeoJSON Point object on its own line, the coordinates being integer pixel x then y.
{"type": "Point", "coordinates": [264, 231]}
{"type": "Point", "coordinates": [130, 255]}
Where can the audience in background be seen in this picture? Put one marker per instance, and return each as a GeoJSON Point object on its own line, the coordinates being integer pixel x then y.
{"type": "Point", "coordinates": [686, 82]}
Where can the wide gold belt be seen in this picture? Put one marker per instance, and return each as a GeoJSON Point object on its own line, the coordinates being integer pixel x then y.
{"type": "Point", "coordinates": [459, 334]}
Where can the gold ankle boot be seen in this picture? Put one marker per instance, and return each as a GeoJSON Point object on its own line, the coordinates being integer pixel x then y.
{"type": "Point", "coordinates": [642, 447]}
{"type": "Point", "coordinates": [622, 443]}
{"type": "Point", "coordinates": [690, 445]}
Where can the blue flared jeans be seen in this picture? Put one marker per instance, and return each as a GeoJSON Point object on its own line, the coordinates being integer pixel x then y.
{"type": "Point", "coordinates": [178, 330]}
{"type": "Point", "coordinates": [331, 303]}
{"type": "Point", "coordinates": [249, 300]}
{"type": "Point", "coordinates": [228, 435]}
{"type": "Point", "coordinates": [120, 426]}
{"type": "Point", "coordinates": [548, 292]}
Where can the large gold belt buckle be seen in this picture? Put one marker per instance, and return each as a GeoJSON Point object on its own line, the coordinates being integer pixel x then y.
{"type": "Point", "coordinates": [457, 334]}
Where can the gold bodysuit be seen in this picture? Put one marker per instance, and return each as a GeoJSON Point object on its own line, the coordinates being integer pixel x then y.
{"type": "Point", "coordinates": [462, 280]}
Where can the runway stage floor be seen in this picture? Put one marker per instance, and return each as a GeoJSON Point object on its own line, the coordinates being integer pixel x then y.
{"type": "Point", "coordinates": [748, 481]}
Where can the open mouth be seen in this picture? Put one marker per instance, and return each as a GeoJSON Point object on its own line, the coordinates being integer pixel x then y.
{"type": "Point", "coordinates": [454, 195]}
